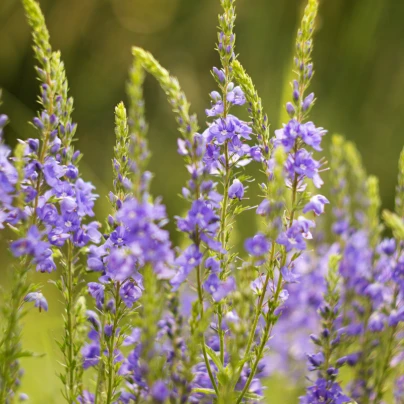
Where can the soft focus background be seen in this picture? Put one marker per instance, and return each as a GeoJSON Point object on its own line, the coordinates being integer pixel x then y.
{"type": "Point", "coordinates": [359, 83]}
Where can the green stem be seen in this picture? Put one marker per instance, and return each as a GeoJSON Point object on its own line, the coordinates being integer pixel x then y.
{"type": "Point", "coordinates": [70, 328]}
{"type": "Point", "coordinates": [10, 343]}
{"type": "Point", "coordinates": [206, 359]}
{"type": "Point", "coordinates": [267, 330]}
{"type": "Point", "coordinates": [205, 355]}
{"type": "Point", "coordinates": [111, 348]}
{"type": "Point", "coordinates": [379, 385]}
{"type": "Point", "coordinates": [101, 366]}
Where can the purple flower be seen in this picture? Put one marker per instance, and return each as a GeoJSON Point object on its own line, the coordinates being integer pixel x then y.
{"type": "Point", "coordinates": [287, 135]}
{"type": "Point", "coordinates": [312, 136]}
{"type": "Point", "coordinates": [257, 245]}
{"type": "Point", "coordinates": [218, 107]}
{"type": "Point", "coordinates": [30, 245]}
{"type": "Point", "coordinates": [213, 265]}
{"type": "Point", "coordinates": [121, 265]}
{"type": "Point", "coordinates": [130, 293]}
{"type": "Point", "coordinates": [217, 288]}
{"type": "Point", "coordinates": [399, 389]}
{"type": "Point", "coordinates": [376, 322]}
{"type": "Point", "coordinates": [91, 354]}
{"type": "Point", "coordinates": [263, 208]}
{"type": "Point", "coordinates": [235, 95]}
{"type": "Point", "coordinates": [219, 74]}
{"type": "Point", "coordinates": [290, 109]}
{"type": "Point", "coordinates": [316, 204]}
{"type": "Point", "coordinates": [221, 130]}
{"type": "Point", "coordinates": [118, 236]}
{"type": "Point", "coordinates": [350, 360]}
{"type": "Point", "coordinates": [388, 246]}
{"type": "Point", "coordinates": [96, 290]}
{"type": "Point", "coordinates": [159, 392]}
{"type": "Point", "coordinates": [295, 236]}
{"type": "Point", "coordinates": [324, 392]}
{"type": "Point", "coordinates": [303, 165]}
{"type": "Point", "coordinates": [133, 338]}
{"type": "Point", "coordinates": [57, 236]}
{"type": "Point", "coordinates": [53, 171]}
{"type": "Point", "coordinates": [39, 299]}
{"type": "Point", "coordinates": [289, 276]}
{"type": "Point", "coordinates": [85, 198]}
{"type": "Point", "coordinates": [188, 260]}
{"type": "Point", "coordinates": [396, 316]}
{"type": "Point", "coordinates": [200, 216]}
{"type": "Point", "coordinates": [308, 101]}
{"type": "Point", "coordinates": [93, 319]}
{"type": "Point", "coordinates": [315, 360]}
{"type": "Point", "coordinates": [398, 274]}
{"type": "Point", "coordinates": [86, 398]}
{"type": "Point", "coordinates": [255, 153]}
{"type": "Point", "coordinates": [236, 190]}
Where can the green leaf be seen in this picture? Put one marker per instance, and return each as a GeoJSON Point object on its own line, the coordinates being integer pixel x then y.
{"type": "Point", "coordinates": [215, 358]}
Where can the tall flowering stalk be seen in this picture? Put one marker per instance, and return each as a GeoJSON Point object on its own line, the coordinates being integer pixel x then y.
{"type": "Point", "coordinates": [325, 363]}
{"type": "Point", "coordinates": [201, 222]}
{"type": "Point", "coordinates": [136, 254]}
{"type": "Point", "coordinates": [12, 311]}
{"type": "Point", "coordinates": [54, 201]}
{"type": "Point", "coordinates": [286, 232]}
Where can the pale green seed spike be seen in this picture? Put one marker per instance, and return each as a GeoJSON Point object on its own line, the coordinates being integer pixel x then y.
{"type": "Point", "coordinates": [399, 208]}
{"type": "Point", "coordinates": [338, 178]}
{"type": "Point", "coordinates": [354, 160]}
{"type": "Point", "coordinates": [120, 165]}
{"type": "Point", "coordinates": [303, 62]}
{"type": "Point", "coordinates": [395, 223]}
{"type": "Point", "coordinates": [20, 167]}
{"type": "Point", "coordinates": [226, 36]}
{"type": "Point", "coordinates": [121, 127]}
{"type": "Point", "coordinates": [333, 278]}
{"type": "Point", "coordinates": [357, 177]}
{"type": "Point", "coordinates": [373, 211]}
{"type": "Point", "coordinates": [134, 89]}
{"type": "Point", "coordinates": [51, 71]}
{"type": "Point", "coordinates": [259, 119]}
{"type": "Point", "coordinates": [138, 128]}
{"type": "Point", "coordinates": [42, 48]}
{"type": "Point", "coordinates": [188, 124]}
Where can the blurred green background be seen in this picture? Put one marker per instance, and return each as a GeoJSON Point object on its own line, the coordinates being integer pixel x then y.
{"type": "Point", "coordinates": [359, 83]}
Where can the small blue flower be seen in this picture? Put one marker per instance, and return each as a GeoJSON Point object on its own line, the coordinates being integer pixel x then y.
{"type": "Point", "coordinates": [257, 245]}
{"type": "Point", "coordinates": [236, 190]}
{"type": "Point", "coordinates": [39, 299]}
{"type": "Point", "coordinates": [316, 204]}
